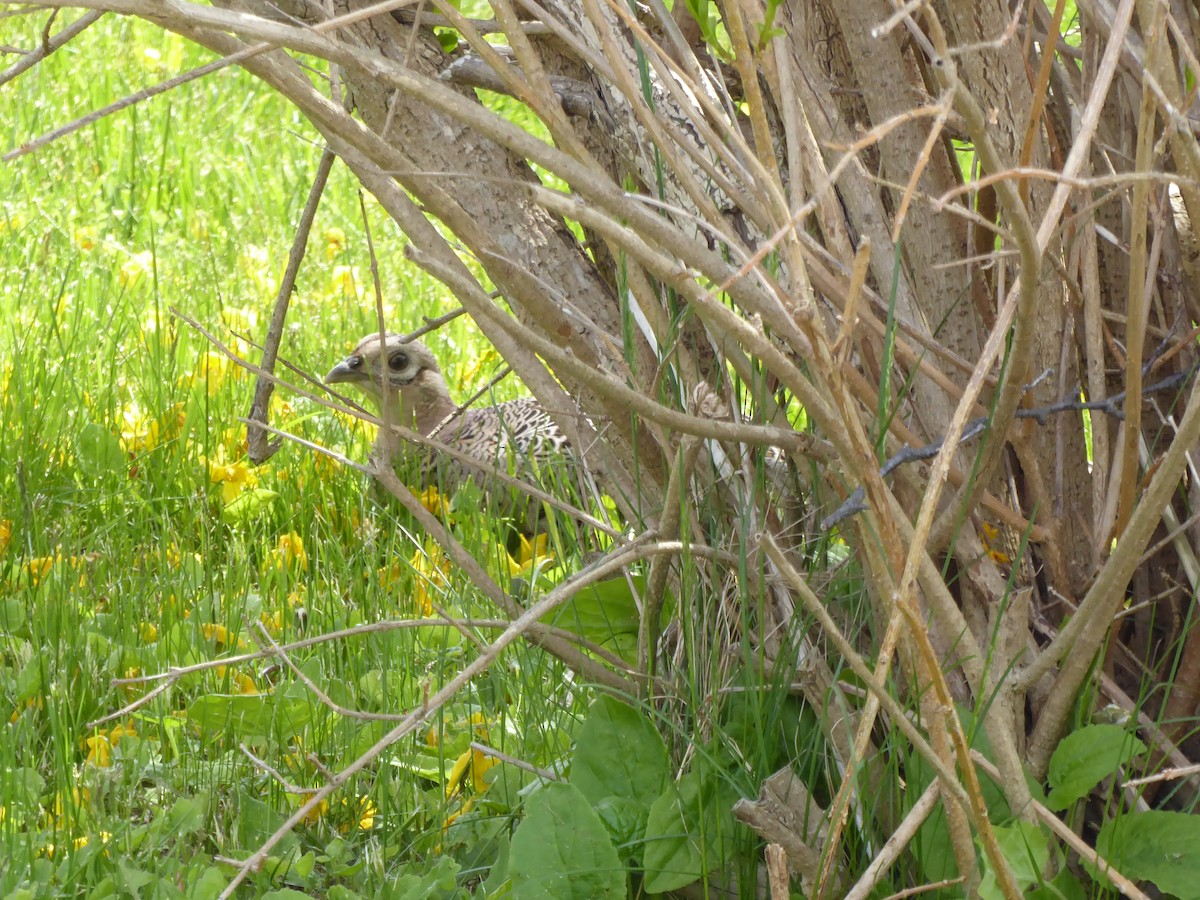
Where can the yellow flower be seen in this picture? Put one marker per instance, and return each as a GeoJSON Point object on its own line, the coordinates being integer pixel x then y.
{"type": "Point", "coordinates": [244, 684]}
{"type": "Point", "coordinates": [335, 241]}
{"type": "Point", "coordinates": [99, 751]}
{"type": "Point", "coordinates": [233, 478]}
{"type": "Point", "coordinates": [214, 369]}
{"type": "Point", "coordinates": [135, 689]}
{"type": "Point", "coordinates": [135, 268]}
{"type": "Point", "coordinates": [290, 552]}
{"type": "Point", "coordinates": [219, 635]}
{"type": "Point", "coordinates": [531, 555]}
{"type": "Point", "coordinates": [273, 622]}
{"type": "Point", "coordinates": [10, 221]}
{"type": "Point", "coordinates": [432, 569]}
{"type": "Point", "coordinates": [314, 815]}
{"type": "Point", "coordinates": [148, 632]}
{"type": "Point", "coordinates": [198, 227]}
{"type": "Point", "coordinates": [31, 703]}
{"type": "Point", "coordinates": [256, 263]}
{"type": "Point", "coordinates": [323, 464]}
{"type": "Point", "coordinates": [470, 374]}
{"type": "Point", "coordinates": [141, 432]}
{"type": "Point", "coordinates": [85, 237]}
{"type": "Point", "coordinates": [477, 763]}
{"type": "Point", "coordinates": [5, 534]}
{"type": "Point", "coordinates": [991, 538]}
{"type": "Point", "coordinates": [343, 281]}
{"type": "Point", "coordinates": [81, 798]}
{"type": "Point", "coordinates": [39, 568]}
{"type": "Point", "coordinates": [82, 841]}
{"type": "Point", "coordinates": [364, 812]}
{"type": "Point", "coordinates": [433, 501]}
{"type": "Point", "coordinates": [120, 731]}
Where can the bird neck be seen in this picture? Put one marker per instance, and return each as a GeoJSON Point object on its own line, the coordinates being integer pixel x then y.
{"type": "Point", "coordinates": [398, 411]}
{"type": "Point", "coordinates": [431, 401]}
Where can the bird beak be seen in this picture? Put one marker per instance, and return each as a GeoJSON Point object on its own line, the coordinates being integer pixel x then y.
{"type": "Point", "coordinates": [344, 372]}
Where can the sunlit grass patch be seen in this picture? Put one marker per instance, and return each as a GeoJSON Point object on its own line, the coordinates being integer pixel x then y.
{"type": "Point", "coordinates": [137, 536]}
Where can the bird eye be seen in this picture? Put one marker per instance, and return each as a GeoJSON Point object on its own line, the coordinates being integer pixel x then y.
{"type": "Point", "coordinates": [397, 361]}
{"type": "Point", "coordinates": [354, 362]}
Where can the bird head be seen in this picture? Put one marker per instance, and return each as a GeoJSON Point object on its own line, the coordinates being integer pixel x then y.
{"type": "Point", "coordinates": [372, 364]}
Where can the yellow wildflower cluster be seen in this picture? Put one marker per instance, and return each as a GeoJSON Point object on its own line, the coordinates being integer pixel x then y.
{"type": "Point", "coordinates": [433, 571]}
{"type": "Point", "coordinates": [469, 375]}
{"type": "Point", "coordinates": [530, 556]}
{"type": "Point", "coordinates": [134, 269]}
{"type": "Point", "coordinates": [240, 681]}
{"type": "Point", "coordinates": [335, 241]}
{"type": "Point", "coordinates": [142, 432]}
{"type": "Point", "coordinates": [258, 268]}
{"type": "Point", "coordinates": [40, 567]}
{"type": "Point", "coordinates": [100, 745]}
{"type": "Point", "coordinates": [473, 764]}
{"type": "Point", "coordinates": [69, 808]}
{"type": "Point", "coordinates": [214, 369]}
{"type": "Point", "coordinates": [289, 554]}
{"type": "Point", "coordinates": [222, 639]}
{"type": "Point", "coordinates": [433, 501]}
{"type": "Point", "coordinates": [234, 477]}
{"type": "Point", "coordinates": [993, 541]}
{"type": "Point", "coordinates": [85, 237]}
{"type": "Point", "coordinates": [358, 814]}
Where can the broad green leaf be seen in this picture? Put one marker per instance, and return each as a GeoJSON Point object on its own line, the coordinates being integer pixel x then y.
{"type": "Point", "coordinates": [31, 680]}
{"type": "Point", "coordinates": [246, 715]}
{"type": "Point", "coordinates": [603, 612]}
{"type": "Point", "coordinates": [1161, 847]}
{"type": "Point", "coordinates": [208, 886]}
{"type": "Point", "coordinates": [186, 815]}
{"type": "Point", "coordinates": [625, 819]}
{"type": "Point", "coordinates": [436, 881]}
{"type": "Point", "coordinates": [497, 881]}
{"type": "Point", "coordinates": [448, 38]}
{"type": "Point", "coordinates": [618, 753]}
{"type": "Point", "coordinates": [98, 451]}
{"type": "Point", "coordinates": [1084, 758]}
{"type": "Point", "coordinates": [688, 825]}
{"type": "Point", "coordinates": [13, 617]}
{"type": "Point", "coordinates": [21, 787]}
{"type": "Point", "coordinates": [1064, 886]}
{"type": "Point", "coordinates": [561, 850]}
{"type": "Point", "coordinates": [1026, 847]}
{"type": "Point", "coordinates": [290, 867]}
{"type": "Point", "coordinates": [248, 505]}
{"type": "Point", "coordinates": [133, 879]}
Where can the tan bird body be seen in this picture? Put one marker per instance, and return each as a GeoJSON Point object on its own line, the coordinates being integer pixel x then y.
{"type": "Point", "coordinates": [516, 437]}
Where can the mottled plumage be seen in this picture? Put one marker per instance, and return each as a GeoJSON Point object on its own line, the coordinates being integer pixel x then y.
{"type": "Point", "coordinates": [421, 398]}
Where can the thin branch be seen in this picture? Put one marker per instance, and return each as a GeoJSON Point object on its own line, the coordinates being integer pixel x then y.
{"type": "Point", "coordinates": [259, 449]}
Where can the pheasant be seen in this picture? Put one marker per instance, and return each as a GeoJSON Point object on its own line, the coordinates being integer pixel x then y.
{"type": "Point", "coordinates": [517, 436]}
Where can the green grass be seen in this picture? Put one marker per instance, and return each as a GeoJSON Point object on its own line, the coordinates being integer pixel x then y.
{"type": "Point", "coordinates": [135, 537]}
{"type": "Point", "coordinates": [120, 556]}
